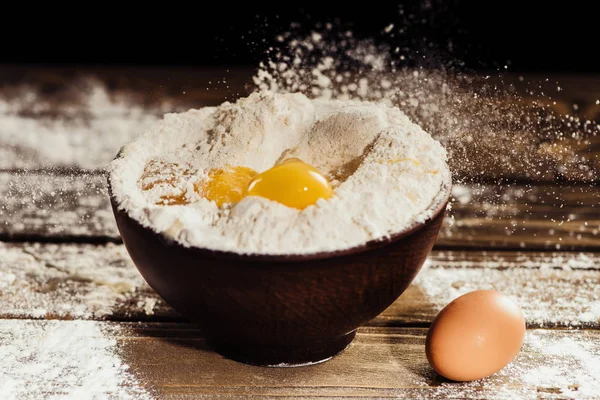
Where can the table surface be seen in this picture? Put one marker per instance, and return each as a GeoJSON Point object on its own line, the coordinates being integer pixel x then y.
{"type": "Point", "coordinates": [76, 318]}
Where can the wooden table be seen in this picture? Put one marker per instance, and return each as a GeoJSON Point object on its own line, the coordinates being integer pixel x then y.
{"type": "Point", "coordinates": [65, 274]}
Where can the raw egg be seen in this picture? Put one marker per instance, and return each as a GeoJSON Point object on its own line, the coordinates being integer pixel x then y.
{"type": "Point", "coordinates": [226, 185]}
{"type": "Point", "coordinates": [475, 336]}
{"type": "Point", "coordinates": [292, 183]}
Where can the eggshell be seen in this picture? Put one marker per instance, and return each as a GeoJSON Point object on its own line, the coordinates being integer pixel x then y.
{"type": "Point", "coordinates": [475, 336]}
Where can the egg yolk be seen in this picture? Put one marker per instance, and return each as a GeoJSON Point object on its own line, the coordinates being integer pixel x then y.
{"type": "Point", "coordinates": [292, 183]}
{"type": "Point", "coordinates": [226, 185]}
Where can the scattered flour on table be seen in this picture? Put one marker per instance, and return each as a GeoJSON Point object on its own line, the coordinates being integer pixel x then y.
{"type": "Point", "coordinates": [91, 128]}
{"type": "Point", "coordinates": [553, 364]}
{"type": "Point", "coordinates": [64, 360]}
{"type": "Point", "coordinates": [552, 289]}
{"type": "Point", "coordinates": [71, 281]}
{"type": "Point", "coordinates": [387, 173]}
{"type": "Point", "coordinates": [56, 205]}
{"type": "Point", "coordinates": [571, 365]}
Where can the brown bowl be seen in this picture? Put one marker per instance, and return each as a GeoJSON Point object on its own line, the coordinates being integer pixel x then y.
{"type": "Point", "coordinates": [280, 310]}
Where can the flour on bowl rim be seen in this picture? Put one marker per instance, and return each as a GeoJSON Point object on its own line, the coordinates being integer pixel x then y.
{"type": "Point", "coordinates": [387, 173]}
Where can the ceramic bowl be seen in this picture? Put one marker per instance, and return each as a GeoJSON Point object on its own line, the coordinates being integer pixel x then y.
{"type": "Point", "coordinates": [280, 310]}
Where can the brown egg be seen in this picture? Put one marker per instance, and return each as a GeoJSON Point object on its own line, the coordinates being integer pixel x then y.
{"type": "Point", "coordinates": [475, 336]}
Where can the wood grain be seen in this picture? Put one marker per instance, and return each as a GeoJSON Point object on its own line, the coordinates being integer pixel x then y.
{"type": "Point", "coordinates": [60, 88]}
{"type": "Point", "coordinates": [44, 197]}
{"type": "Point", "coordinates": [524, 216]}
{"type": "Point", "coordinates": [98, 110]}
{"type": "Point", "coordinates": [67, 281]}
{"type": "Point", "coordinates": [60, 207]}
{"type": "Point", "coordinates": [550, 295]}
{"type": "Point", "coordinates": [175, 362]}
{"type": "Point", "coordinates": [67, 117]}
{"type": "Point", "coordinates": [75, 207]}
{"type": "Point", "coordinates": [87, 143]}
{"type": "Point", "coordinates": [63, 90]}
{"type": "Point", "coordinates": [75, 281]}
{"type": "Point", "coordinates": [172, 361]}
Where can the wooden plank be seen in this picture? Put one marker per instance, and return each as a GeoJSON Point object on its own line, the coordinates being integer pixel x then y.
{"type": "Point", "coordinates": [79, 143]}
{"type": "Point", "coordinates": [524, 156]}
{"type": "Point", "coordinates": [66, 117]}
{"type": "Point", "coordinates": [553, 289]}
{"type": "Point", "coordinates": [380, 363]}
{"type": "Point", "coordinates": [68, 281]}
{"type": "Point", "coordinates": [172, 361]}
{"type": "Point", "coordinates": [492, 134]}
{"type": "Point", "coordinates": [523, 216]}
{"type": "Point", "coordinates": [64, 207]}
{"type": "Point", "coordinates": [566, 89]}
{"type": "Point", "coordinates": [63, 359]}
{"type": "Point", "coordinates": [59, 88]}
{"type": "Point", "coordinates": [90, 142]}
{"type": "Point", "coordinates": [65, 91]}
{"type": "Point", "coordinates": [75, 207]}
{"type": "Point", "coordinates": [69, 117]}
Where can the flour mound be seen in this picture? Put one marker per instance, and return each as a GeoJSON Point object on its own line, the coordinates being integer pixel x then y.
{"type": "Point", "coordinates": [386, 172]}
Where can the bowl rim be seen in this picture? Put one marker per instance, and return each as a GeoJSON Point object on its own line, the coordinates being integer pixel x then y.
{"type": "Point", "coordinates": [438, 207]}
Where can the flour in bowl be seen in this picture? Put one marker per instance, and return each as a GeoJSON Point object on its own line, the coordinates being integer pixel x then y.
{"type": "Point", "coordinates": [387, 174]}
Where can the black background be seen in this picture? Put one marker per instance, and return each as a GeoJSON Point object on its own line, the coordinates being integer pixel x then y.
{"type": "Point", "coordinates": [530, 36]}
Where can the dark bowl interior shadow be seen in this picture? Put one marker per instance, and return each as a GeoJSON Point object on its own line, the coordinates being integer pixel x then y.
{"type": "Point", "coordinates": [283, 310]}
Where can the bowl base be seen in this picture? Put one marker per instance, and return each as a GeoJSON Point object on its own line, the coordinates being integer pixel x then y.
{"type": "Point", "coordinates": [284, 356]}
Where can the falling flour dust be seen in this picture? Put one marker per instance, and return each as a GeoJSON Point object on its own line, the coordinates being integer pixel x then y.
{"type": "Point", "coordinates": [473, 116]}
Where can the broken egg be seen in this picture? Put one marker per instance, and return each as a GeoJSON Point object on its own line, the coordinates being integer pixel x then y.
{"type": "Point", "coordinates": [292, 183]}
{"type": "Point", "coordinates": [475, 336]}
{"type": "Point", "coordinates": [226, 185]}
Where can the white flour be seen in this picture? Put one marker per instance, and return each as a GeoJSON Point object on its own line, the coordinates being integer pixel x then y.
{"type": "Point", "coordinates": [63, 360]}
{"type": "Point", "coordinates": [70, 281]}
{"type": "Point", "coordinates": [550, 291]}
{"type": "Point", "coordinates": [571, 365]}
{"type": "Point", "coordinates": [552, 365]}
{"type": "Point", "coordinates": [89, 132]}
{"type": "Point", "coordinates": [386, 171]}
{"type": "Point", "coordinates": [487, 129]}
